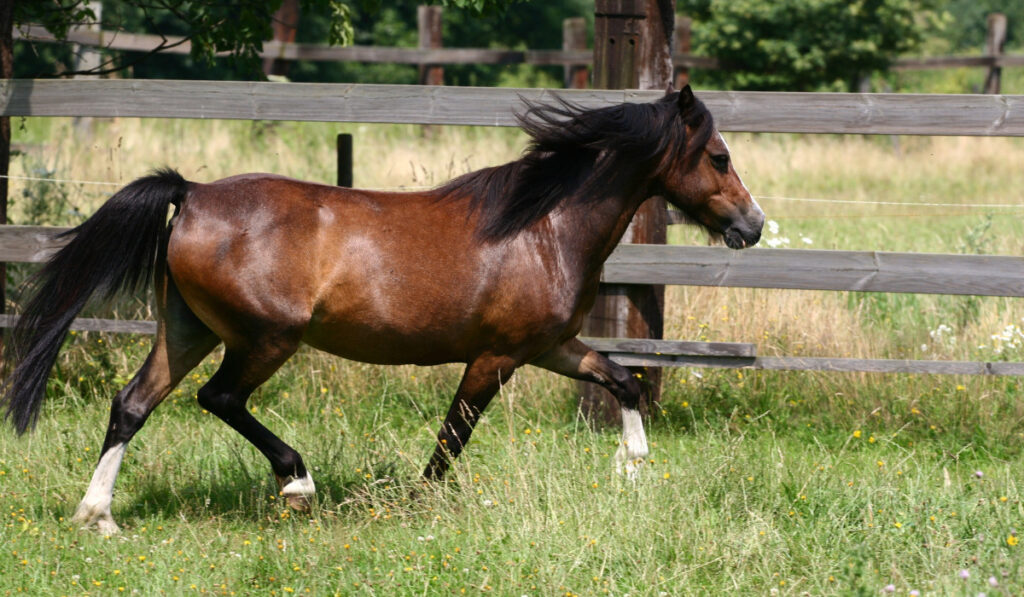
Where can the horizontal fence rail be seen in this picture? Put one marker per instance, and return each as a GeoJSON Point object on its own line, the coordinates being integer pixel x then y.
{"type": "Point", "coordinates": [942, 62]}
{"type": "Point", "coordinates": [803, 269]}
{"type": "Point", "coordinates": [662, 353]}
{"type": "Point", "coordinates": [141, 42]}
{"type": "Point", "coordinates": [750, 111]}
{"type": "Point", "coordinates": [88, 324]}
{"type": "Point", "coordinates": [990, 275]}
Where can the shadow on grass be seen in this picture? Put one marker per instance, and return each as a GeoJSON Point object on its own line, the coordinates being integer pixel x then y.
{"type": "Point", "coordinates": [235, 493]}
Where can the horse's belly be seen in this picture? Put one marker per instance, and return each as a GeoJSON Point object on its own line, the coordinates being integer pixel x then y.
{"type": "Point", "coordinates": [385, 345]}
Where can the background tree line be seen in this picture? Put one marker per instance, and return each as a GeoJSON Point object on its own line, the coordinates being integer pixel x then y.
{"type": "Point", "coordinates": [796, 45]}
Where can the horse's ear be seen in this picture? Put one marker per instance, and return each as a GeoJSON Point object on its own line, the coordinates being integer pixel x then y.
{"type": "Point", "coordinates": [669, 88]}
{"type": "Point", "coordinates": [686, 99]}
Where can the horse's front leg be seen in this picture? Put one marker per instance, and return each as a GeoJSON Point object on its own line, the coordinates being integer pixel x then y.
{"type": "Point", "coordinates": [576, 360]}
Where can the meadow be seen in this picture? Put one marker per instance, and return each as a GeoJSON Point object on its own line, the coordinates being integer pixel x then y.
{"type": "Point", "coordinates": [758, 482]}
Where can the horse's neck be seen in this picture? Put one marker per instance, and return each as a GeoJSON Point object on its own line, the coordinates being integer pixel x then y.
{"type": "Point", "coordinates": [591, 230]}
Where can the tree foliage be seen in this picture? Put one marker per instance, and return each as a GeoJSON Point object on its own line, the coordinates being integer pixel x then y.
{"type": "Point", "coordinates": [970, 18]}
{"type": "Point", "coordinates": [530, 25]}
{"type": "Point", "coordinates": [805, 45]}
{"type": "Point", "coordinates": [236, 28]}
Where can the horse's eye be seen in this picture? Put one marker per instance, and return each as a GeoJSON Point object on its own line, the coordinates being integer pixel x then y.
{"type": "Point", "coordinates": [720, 162]}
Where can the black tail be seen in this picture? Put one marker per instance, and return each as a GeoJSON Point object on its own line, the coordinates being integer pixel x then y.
{"type": "Point", "coordinates": [113, 251]}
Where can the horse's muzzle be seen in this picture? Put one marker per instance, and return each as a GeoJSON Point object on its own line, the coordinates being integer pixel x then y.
{"type": "Point", "coordinates": [745, 232]}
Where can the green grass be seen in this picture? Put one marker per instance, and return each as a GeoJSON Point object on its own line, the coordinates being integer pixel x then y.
{"type": "Point", "coordinates": [756, 482]}
{"type": "Point", "coordinates": [814, 483]}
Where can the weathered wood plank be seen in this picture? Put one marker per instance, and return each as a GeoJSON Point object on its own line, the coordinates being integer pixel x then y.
{"type": "Point", "coordinates": [133, 42]}
{"type": "Point", "coordinates": [687, 354]}
{"type": "Point", "coordinates": [822, 364]}
{"type": "Point", "coordinates": [890, 114]}
{"type": "Point", "coordinates": [86, 324]}
{"type": "Point", "coordinates": [668, 353]}
{"type": "Point", "coordinates": [280, 101]}
{"type": "Point", "coordinates": [867, 113]}
{"type": "Point", "coordinates": [670, 347]}
{"type": "Point", "coordinates": [941, 62]}
{"type": "Point", "coordinates": [29, 244]}
{"type": "Point", "coordinates": [870, 271]}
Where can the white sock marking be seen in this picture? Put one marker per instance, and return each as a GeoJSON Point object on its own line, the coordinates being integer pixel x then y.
{"type": "Point", "coordinates": [95, 506]}
{"type": "Point", "coordinates": [633, 449]}
{"type": "Point", "coordinates": [298, 486]}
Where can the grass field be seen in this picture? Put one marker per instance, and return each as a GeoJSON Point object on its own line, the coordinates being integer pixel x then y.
{"type": "Point", "coordinates": [758, 482]}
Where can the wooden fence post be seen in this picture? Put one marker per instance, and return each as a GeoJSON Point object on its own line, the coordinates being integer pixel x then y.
{"type": "Point", "coordinates": [285, 24]}
{"type": "Point", "coordinates": [87, 58]}
{"type": "Point", "coordinates": [344, 160]}
{"type": "Point", "coordinates": [428, 20]}
{"type": "Point", "coordinates": [617, 28]}
{"type": "Point", "coordinates": [574, 37]}
{"type": "Point", "coordinates": [655, 65]}
{"type": "Point", "coordinates": [624, 311]}
{"type": "Point", "coordinates": [683, 46]}
{"type": "Point", "coordinates": [6, 72]}
{"type": "Point", "coordinates": [994, 41]}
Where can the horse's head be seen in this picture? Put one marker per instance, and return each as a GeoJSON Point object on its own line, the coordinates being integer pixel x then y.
{"type": "Point", "coordinates": [700, 179]}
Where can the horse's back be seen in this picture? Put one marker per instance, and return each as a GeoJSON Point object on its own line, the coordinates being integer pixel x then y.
{"type": "Point", "coordinates": [370, 276]}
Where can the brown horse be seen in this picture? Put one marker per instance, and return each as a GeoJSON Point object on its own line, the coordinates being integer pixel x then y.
{"type": "Point", "coordinates": [495, 269]}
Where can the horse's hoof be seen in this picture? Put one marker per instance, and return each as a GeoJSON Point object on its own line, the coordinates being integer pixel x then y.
{"type": "Point", "coordinates": [88, 518]}
{"type": "Point", "coordinates": [297, 491]}
{"type": "Point", "coordinates": [299, 503]}
{"type": "Point", "coordinates": [630, 462]}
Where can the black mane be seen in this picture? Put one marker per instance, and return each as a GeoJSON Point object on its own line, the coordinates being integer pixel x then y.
{"type": "Point", "coordinates": [575, 152]}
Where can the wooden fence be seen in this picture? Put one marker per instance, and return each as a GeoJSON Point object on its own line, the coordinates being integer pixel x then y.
{"type": "Point", "coordinates": [747, 111]}
{"type": "Point", "coordinates": [629, 264]}
{"type": "Point", "coordinates": [573, 55]}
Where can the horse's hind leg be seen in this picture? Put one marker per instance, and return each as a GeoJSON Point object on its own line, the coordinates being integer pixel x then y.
{"type": "Point", "coordinates": [576, 360]}
{"type": "Point", "coordinates": [228, 390]}
{"type": "Point", "coordinates": [181, 343]}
